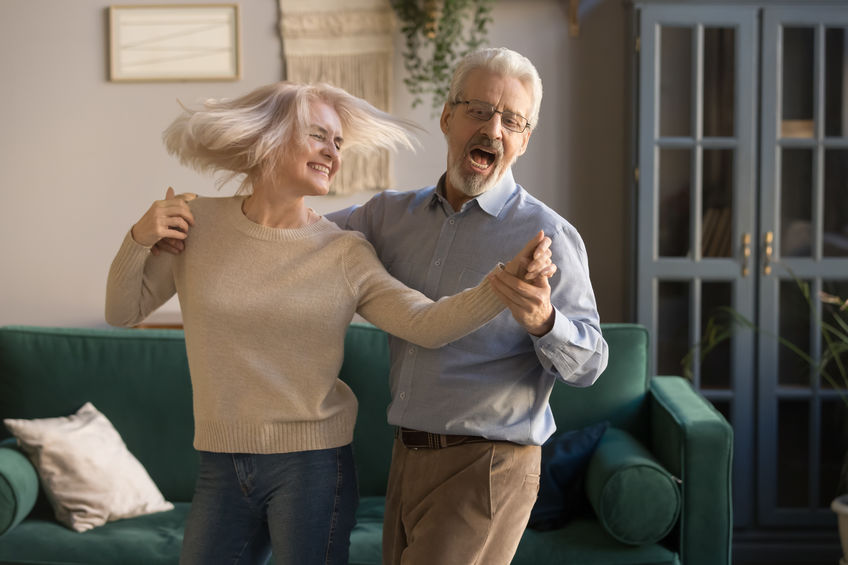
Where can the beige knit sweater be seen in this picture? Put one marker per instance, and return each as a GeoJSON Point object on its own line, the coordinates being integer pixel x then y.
{"type": "Point", "coordinates": [265, 313]}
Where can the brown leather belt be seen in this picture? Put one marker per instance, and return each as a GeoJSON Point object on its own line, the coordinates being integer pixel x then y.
{"type": "Point", "coordinates": [413, 439]}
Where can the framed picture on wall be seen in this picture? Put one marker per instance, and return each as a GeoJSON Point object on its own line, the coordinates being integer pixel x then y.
{"type": "Point", "coordinates": [174, 42]}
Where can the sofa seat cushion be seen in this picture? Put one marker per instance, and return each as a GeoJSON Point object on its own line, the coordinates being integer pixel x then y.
{"type": "Point", "coordinates": [580, 542]}
{"type": "Point", "coordinates": [584, 541]}
{"type": "Point", "coordinates": [153, 539]}
{"type": "Point", "coordinates": [366, 539]}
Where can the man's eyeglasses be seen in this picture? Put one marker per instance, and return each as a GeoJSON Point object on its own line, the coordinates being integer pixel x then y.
{"type": "Point", "coordinates": [484, 111]}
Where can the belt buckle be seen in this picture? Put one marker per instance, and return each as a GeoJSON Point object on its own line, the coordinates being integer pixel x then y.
{"type": "Point", "coordinates": [399, 435]}
{"type": "Point", "coordinates": [429, 441]}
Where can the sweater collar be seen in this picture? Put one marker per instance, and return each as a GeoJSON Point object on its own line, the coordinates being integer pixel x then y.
{"type": "Point", "coordinates": [258, 231]}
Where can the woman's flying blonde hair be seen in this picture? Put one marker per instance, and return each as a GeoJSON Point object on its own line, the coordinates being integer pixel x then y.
{"type": "Point", "coordinates": [247, 135]}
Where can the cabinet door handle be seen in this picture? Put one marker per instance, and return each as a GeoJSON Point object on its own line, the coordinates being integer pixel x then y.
{"type": "Point", "coordinates": [746, 253]}
{"type": "Point", "coordinates": [769, 250]}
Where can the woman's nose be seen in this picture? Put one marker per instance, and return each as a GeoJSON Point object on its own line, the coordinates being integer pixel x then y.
{"type": "Point", "coordinates": [331, 150]}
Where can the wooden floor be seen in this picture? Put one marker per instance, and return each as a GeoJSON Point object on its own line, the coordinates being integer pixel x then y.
{"type": "Point", "coordinates": [791, 563]}
{"type": "Point", "coordinates": [792, 548]}
{"type": "Point", "coordinates": [804, 562]}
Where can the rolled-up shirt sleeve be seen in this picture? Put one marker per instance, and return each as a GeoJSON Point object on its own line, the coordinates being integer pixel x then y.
{"type": "Point", "coordinates": [574, 350]}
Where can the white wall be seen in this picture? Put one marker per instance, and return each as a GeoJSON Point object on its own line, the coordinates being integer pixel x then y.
{"type": "Point", "coordinates": [81, 158]}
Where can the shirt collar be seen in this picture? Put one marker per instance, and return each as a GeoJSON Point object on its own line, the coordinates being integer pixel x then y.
{"type": "Point", "coordinates": [492, 201]}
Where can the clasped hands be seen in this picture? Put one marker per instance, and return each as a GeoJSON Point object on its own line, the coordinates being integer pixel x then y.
{"type": "Point", "coordinates": [522, 285]}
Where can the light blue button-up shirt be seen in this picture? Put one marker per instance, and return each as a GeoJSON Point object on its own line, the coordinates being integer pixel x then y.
{"type": "Point", "coordinates": [495, 382]}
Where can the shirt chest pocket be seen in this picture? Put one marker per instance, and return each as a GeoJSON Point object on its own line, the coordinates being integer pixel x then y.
{"type": "Point", "coordinates": [402, 271]}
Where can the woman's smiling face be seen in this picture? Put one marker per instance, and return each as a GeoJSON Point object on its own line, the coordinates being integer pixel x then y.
{"type": "Point", "coordinates": [309, 168]}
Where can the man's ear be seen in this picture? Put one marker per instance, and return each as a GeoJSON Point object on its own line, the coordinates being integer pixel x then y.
{"type": "Point", "coordinates": [443, 121]}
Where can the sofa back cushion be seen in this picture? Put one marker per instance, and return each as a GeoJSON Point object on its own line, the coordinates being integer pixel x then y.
{"type": "Point", "coordinates": [619, 395]}
{"type": "Point", "coordinates": [366, 371]}
{"type": "Point", "coordinates": [138, 378]}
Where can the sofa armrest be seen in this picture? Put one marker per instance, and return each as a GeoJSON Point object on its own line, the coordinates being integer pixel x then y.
{"type": "Point", "coordinates": [18, 486]}
{"type": "Point", "coordinates": [695, 442]}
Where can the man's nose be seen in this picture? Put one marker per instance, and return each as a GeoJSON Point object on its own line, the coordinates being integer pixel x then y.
{"type": "Point", "coordinates": [493, 127]}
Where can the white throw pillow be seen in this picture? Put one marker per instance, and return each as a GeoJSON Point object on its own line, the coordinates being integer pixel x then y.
{"type": "Point", "coordinates": [86, 470]}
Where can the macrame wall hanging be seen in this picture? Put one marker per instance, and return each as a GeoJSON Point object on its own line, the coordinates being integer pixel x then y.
{"type": "Point", "coordinates": [347, 43]}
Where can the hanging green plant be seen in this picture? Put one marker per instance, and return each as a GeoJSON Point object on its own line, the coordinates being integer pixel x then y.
{"type": "Point", "coordinates": [438, 33]}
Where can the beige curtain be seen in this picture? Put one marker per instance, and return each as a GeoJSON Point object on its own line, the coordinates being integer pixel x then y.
{"type": "Point", "coordinates": [347, 43]}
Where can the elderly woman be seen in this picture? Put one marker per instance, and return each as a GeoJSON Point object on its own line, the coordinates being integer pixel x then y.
{"type": "Point", "coordinates": [267, 288]}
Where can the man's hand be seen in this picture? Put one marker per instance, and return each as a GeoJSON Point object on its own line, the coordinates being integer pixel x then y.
{"type": "Point", "coordinates": [166, 223]}
{"type": "Point", "coordinates": [523, 286]}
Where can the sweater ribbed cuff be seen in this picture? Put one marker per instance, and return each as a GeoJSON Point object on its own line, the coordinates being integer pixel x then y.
{"type": "Point", "coordinates": [486, 300]}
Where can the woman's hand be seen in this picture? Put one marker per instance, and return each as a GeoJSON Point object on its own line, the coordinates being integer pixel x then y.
{"type": "Point", "coordinates": [169, 218]}
{"type": "Point", "coordinates": [523, 286]}
{"type": "Point", "coordinates": [534, 260]}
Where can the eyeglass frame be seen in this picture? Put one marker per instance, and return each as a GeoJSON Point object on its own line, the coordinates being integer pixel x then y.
{"type": "Point", "coordinates": [494, 111]}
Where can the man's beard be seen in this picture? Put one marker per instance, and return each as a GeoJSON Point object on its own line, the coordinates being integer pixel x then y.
{"type": "Point", "coordinates": [472, 184]}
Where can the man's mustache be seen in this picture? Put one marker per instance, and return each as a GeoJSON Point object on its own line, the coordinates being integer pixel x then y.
{"type": "Point", "coordinates": [483, 140]}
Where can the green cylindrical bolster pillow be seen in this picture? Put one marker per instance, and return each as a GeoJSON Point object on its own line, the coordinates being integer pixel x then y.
{"type": "Point", "coordinates": [18, 487]}
{"type": "Point", "coordinates": [636, 500]}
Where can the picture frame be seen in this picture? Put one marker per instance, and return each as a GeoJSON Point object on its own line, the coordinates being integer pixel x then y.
{"type": "Point", "coordinates": [174, 42]}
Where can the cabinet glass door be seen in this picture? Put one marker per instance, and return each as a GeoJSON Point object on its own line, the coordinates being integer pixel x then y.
{"type": "Point", "coordinates": [803, 420]}
{"type": "Point", "coordinates": [697, 164]}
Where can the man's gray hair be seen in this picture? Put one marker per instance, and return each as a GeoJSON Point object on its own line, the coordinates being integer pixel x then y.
{"type": "Point", "coordinates": [504, 62]}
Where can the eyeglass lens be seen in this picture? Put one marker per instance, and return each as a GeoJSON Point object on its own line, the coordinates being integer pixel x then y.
{"type": "Point", "coordinates": [484, 111]}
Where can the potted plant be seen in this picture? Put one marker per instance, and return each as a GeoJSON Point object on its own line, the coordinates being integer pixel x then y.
{"type": "Point", "coordinates": [726, 321]}
{"type": "Point", "coordinates": [437, 34]}
{"type": "Point", "coordinates": [836, 336]}
{"type": "Point", "coordinates": [833, 325]}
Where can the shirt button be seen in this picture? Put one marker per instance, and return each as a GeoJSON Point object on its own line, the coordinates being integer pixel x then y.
{"type": "Point", "coordinates": [411, 350]}
{"type": "Point", "coordinates": [438, 262]}
{"type": "Point", "coordinates": [403, 396]}
{"type": "Point", "coordinates": [451, 221]}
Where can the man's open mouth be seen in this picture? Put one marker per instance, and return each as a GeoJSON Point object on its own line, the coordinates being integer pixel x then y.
{"type": "Point", "coordinates": [481, 158]}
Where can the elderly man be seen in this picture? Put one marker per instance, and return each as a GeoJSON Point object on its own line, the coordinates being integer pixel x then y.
{"type": "Point", "coordinates": [471, 416]}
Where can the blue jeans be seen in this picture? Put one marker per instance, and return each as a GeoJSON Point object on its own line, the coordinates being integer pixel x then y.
{"type": "Point", "coordinates": [300, 504]}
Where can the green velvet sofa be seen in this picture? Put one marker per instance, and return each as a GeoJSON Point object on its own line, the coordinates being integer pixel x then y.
{"type": "Point", "coordinates": [658, 427]}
